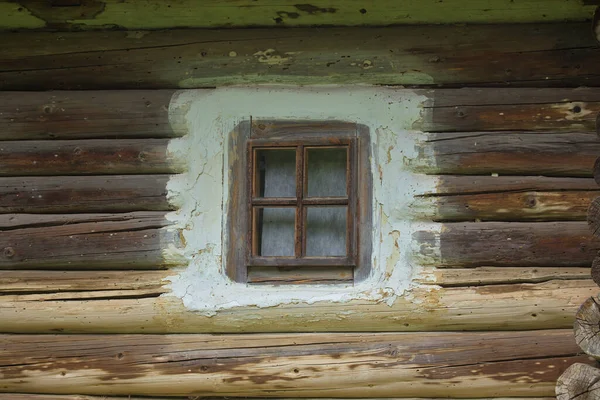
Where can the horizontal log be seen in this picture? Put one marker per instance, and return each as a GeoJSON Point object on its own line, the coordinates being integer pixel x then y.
{"type": "Point", "coordinates": [340, 364]}
{"type": "Point", "coordinates": [508, 109]}
{"type": "Point", "coordinates": [545, 305]}
{"type": "Point", "coordinates": [481, 276]}
{"type": "Point", "coordinates": [87, 194]}
{"type": "Point", "coordinates": [547, 55]}
{"type": "Point", "coordinates": [509, 153]}
{"type": "Point", "coordinates": [87, 115]}
{"type": "Point", "coordinates": [86, 157]}
{"type": "Point", "coordinates": [497, 244]}
{"type": "Point", "coordinates": [487, 198]}
{"type": "Point", "coordinates": [128, 241]}
{"type": "Point", "coordinates": [155, 14]}
{"type": "Point", "coordinates": [23, 396]}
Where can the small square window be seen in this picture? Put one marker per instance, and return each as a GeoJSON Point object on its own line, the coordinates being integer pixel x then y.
{"type": "Point", "coordinates": [300, 202]}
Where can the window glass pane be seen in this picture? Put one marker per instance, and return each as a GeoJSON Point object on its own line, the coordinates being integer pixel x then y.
{"type": "Point", "coordinates": [327, 172]}
{"type": "Point", "coordinates": [326, 231]}
{"type": "Point", "coordinates": [275, 173]}
{"type": "Point", "coordinates": [274, 231]}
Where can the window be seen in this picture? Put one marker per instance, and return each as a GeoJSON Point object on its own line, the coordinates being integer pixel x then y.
{"type": "Point", "coordinates": [300, 202]}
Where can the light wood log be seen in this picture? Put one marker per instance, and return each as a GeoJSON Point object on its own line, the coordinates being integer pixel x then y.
{"type": "Point", "coordinates": [497, 244]}
{"type": "Point", "coordinates": [87, 194]}
{"type": "Point", "coordinates": [86, 157]}
{"type": "Point", "coordinates": [507, 109]}
{"type": "Point", "coordinates": [87, 114]}
{"type": "Point", "coordinates": [481, 276]}
{"type": "Point", "coordinates": [135, 240]}
{"type": "Point", "coordinates": [390, 364]}
{"type": "Point", "coordinates": [546, 55]}
{"type": "Point", "coordinates": [579, 382]}
{"type": "Point", "coordinates": [510, 153]}
{"type": "Point", "coordinates": [587, 327]}
{"type": "Point", "coordinates": [22, 396]}
{"type": "Point", "coordinates": [545, 305]}
{"type": "Point", "coordinates": [464, 198]}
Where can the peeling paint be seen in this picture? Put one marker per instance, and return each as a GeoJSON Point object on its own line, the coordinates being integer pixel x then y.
{"type": "Point", "coordinates": [202, 192]}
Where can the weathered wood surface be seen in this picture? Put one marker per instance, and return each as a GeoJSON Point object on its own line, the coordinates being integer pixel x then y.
{"type": "Point", "coordinates": [86, 115]}
{"type": "Point", "coordinates": [496, 244]}
{"type": "Point", "coordinates": [497, 364]}
{"type": "Point", "coordinates": [509, 153]}
{"type": "Point", "coordinates": [510, 109]}
{"type": "Point", "coordinates": [156, 14]}
{"type": "Point", "coordinates": [508, 198]}
{"type": "Point", "coordinates": [544, 305]}
{"type": "Point", "coordinates": [483, 55]}
{"type": "Point", "coordinates": [85, 194]}
{"type": "Point", "coordinates": [593, 216]}
{"type": "Point", "coordinates": [595, 273]}
{"type": "Point", "coordinates": [587, 327]}
{"type": "Point", "coordinates": [579, 382]}
{"type": "Point", "coordinates": [480, 276]}
{"type": "Point", "coordinates": [135, 240]}
{"type": "Point", "coordinates": [87, 157]}
{"type": "Point", "coordinates": [22, 396]}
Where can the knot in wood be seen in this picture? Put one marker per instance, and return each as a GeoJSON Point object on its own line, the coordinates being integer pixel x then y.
{"type": "Point", "coordinates": [8, 252]}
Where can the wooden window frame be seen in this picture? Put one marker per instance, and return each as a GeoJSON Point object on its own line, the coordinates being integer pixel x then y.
{"type": "Point", "coordinates": [243, 265]}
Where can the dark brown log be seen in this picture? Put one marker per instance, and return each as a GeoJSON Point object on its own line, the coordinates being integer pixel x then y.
{"type": "Point", "coordinates": [21, 396]}
{"type": "Point", "coordinates": [500, 364]}
{"type": "Point", "coordinates": [464, 198]}
{"type": "Point", "coordinates": [596, 24]}
{"type": "Point", "coordinates": [596, 270]}
{"type": "Point", "coordinates": [579, 382]}
{"type": "Point", "coordinates": [597, 171]}
{"type": "Point", "coordinates": [72, 194]}
{"type": "Point", "coordinates": [132, 241]}
{"type": "Point", "coordinates": [551, 244]}
{"type": "Point", "coordinates": [510, 153]}
{"type": "Point", "coordinates": [86, 157]}
{"type": "Point", "coordinates": [587, 327]}
{"type": "Point", "coordinates": [472, 109]}
{"type": "Point", "coordinates": [593, 216]}
{"type": "Point", "coordinates": [85, 115]}
{"type": "Point", "coordinates": [484, 55]}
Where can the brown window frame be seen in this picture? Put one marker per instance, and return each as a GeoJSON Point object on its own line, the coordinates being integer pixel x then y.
{"type": "Point", "coordinates": [243, 264]}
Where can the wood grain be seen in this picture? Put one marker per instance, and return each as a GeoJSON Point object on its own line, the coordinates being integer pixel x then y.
{"type": "Point", "coordinates": [84, 194]}
{"type": "Point", "coordinates": [86, 157]}
{"type": "Point", "coordinates": [508, 198]}
{"type": "Point", "coordinates": [546, 305]}
{"type": "Point", "coordinates": [578, 382]}
{"type": "Point", "coordinates": [499, 364]}
{"type": "Point", "coordinates": [497, 244]}
{"type": "Point", "coordinates": [482, 55]}
{"type": "Point", "coordinates": [86, 114]}
{"type": "Point", "coordinates": [133, 241]}
{"type": "Point", "coordinates": [510, 109]}
{"type": "Point", "coordinates": [509, 153]}
{"type": "Point", "coordinates": [587, 327]}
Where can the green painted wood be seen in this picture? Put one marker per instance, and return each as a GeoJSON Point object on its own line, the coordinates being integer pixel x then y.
{"type": "Point", "coordinates": [523, 55]}
{"type": "Point", "coordinates": [156, 14]}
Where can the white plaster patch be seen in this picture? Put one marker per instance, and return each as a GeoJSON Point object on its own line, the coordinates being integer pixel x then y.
{"type": "Point", "coordinates": [202, 192]}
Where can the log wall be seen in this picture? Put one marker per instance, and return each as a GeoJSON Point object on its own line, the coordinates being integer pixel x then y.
{"type": "Point", "coordinates": [83, 233]}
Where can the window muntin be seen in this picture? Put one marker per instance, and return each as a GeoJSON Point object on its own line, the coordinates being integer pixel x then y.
{"type": "Point", "coordinates": [298, 212]}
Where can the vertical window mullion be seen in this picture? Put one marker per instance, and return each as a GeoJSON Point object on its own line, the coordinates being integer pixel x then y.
{"type": "Point", "coordinates": [299, 247]}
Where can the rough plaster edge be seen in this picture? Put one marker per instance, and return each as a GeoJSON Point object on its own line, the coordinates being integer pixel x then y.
{"type": "Point", "coordinates": [211, 114]}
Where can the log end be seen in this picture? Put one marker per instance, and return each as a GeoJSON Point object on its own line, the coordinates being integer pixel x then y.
{"type": "Point", "coordinates": [587, 327]}
{"type": "Point", "coordinates": [593, 216]}
{"type": "Point", "coordinates": [579, 382]}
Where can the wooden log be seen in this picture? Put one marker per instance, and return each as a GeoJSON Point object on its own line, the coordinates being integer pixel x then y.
{"type": "Point", "coordinates": [578, 382]}
{"type": "Point", "coordinates": [136, 241]}
{"type": "Point", "coordinates": [587, 327]}
{"type": "Point", "coordinates": [87, 157]}
{"type": "Point", "coordinates": [487, 198]}
{"type": "Point", "coordinates": [87, 115]}
{"type": "Point", "coordinates": [596, 171]}
{"type": "Point", "coordinates": [155, 14]}
{"type": "Point", "coordinates": [596, 270]}
{"type": "Point", "coordinates": [593, 216]}
{"type": "Point", "coordinates": [87, 194]}
{"type": "Point", "coordinates": [498, 244]}
{"type": "Point", "coordinates": [499, 364]}
{"type": "Point", "coordinates": [507, 109]}
{"type": "Point", "coordinates": [547, 55]}
{"type": "Point", "coordinates": [545, 305]}
{"type": "Point", "coordinates": [596, 24]}
{"type": "Point", "coordinates": [22, 396]}
{"type": "Point", "coordinates": [509, 153]}
{"type": "Point", "coordinates": [481, 276]}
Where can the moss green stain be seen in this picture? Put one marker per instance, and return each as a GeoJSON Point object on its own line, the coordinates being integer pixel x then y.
{"type": "Point", "coordinates": [154, 14]}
